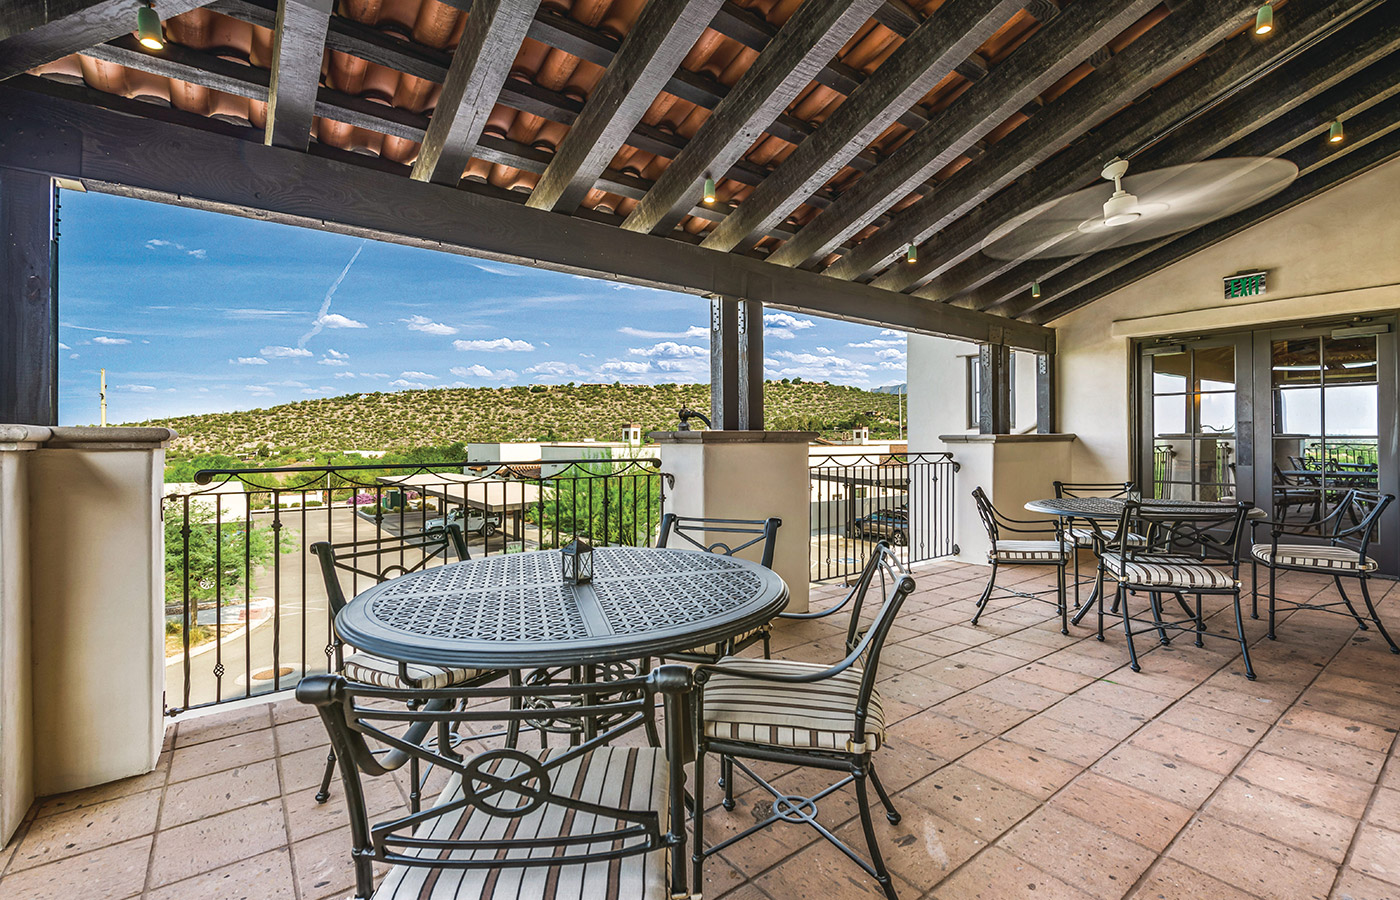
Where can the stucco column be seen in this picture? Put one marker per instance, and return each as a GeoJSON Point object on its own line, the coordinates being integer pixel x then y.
{"type": "Point", "coordinates": [97, 605]}
{"type": "Point", "coordinates": [1012, 469]}
{"type": "Point", "coordinates": [747, 475]}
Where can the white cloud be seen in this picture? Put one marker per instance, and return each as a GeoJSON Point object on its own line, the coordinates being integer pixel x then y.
{"type": "Point", "coordinates": [345, 375]}
{"type": "Point", "coordinates": [411, 385]}
{"type": "Point", "coordinates": [670, 350]}
{"type": "Point", "coordinates": [477, 370]}
{"type": "Point", "coordinates": [249, 361]}
{"type": "Point", "coordinates": [246, 312]}
{"type": "Point", "coordinates": [336, 320]}
{"type": "Point", "coordinates": [284, 352]}
{"type": "Point", "coordinates": [327, 361]}
{"type": "Point", "coordinates": [63, 346]}
{"type": "Point", "coordinates": [257, 390]}
{"type": "Point", "coordinates": [499, 270]}
{"type": "Point", "coordinates": [827, 350]}
{"type": "Point", "coordinates": [694, 331]}
{"type": "Point", "coordinates": [421, 376]}
{"type": "Point", "coordinates": [495, 345]}
{"type": "Point", "coordinates": [892, 332]}
{"type": "Point", "coordinates": [374, 374]}
{"type": "Point", "coordinates": [878, 342]}
{"type": "Point", "coordinates": [625, 367]}
{"type": "Point", "coordinates": [292, 384]}
{"type": "Point", "coordinates": [103, 339]}
{"type": "Point", "coordinates": [427, 325]}
{"type": "Point", "coordinates": [336, 354]}
{"type": "Point", "coordinates": [808, 365]}
{"type": "Point", "coordinates": [158, 244]}
{"type": "Point", "coordinates": [783, 326]}
{"type": "Point", "coordinates": [890, 353]}
{"type": "Point", "coordinates": [198, 254]}
{"type": "Point", "coordinates": [134, 388]}
{"type": "Point", "coordinates": [556, 369]}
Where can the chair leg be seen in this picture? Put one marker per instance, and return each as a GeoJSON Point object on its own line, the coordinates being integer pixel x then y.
{"type": "Point", "coordinates": [1371, 608]}
{"type": "Point", "coordinates": [1075, 544]}
{"type": "Point", "coordinates": [882, 874]}
{"type": "Point", "coordinates": [1200, 624]}
{"type": "Point", "coordinates": [415, 789]}
{"type": "Point", "coordinates": [726, 781]}
{"type": "Point", "coordinates": [1273, 572]}
{"type": "Point", "coordinates": [1122, 602]}
{"type": "Point", "coordinates": [767, 645]}
{"type": "Point", "coordinates": [697, 850]}
{"type": "Point", "coordinates": [1100, 612]}
{"type": "Point", "coordinates": [986, 594]}
{"type": "Point", "coordinates": [890, 812]}
{"type": "Point", "coordinates": [1062, 594]}
{"type": "Point", "coordinates": [1360, 622]}
{"type": "Point", "coordinates": [1253, 586]}
{"type": "Point", "coordinates": [324, 793]}
{"type": "Point", "coordinates": [1154, 603]}
{"type": "Point", "coordinates": [1239, 628]}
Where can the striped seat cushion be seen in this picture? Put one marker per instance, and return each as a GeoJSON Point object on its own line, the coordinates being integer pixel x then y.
{"type": "Point", "coordinates": [1312, 556]}
{"type": "Point", "coordinates": [1028, 551]}
{"type": "Point", "coordinates": [1182, 572]}
{"type": "Point", "coordinates": [714, 650]}
{"type": "Point", "coordinates": [628, 778]}
{"type": "Point", "coordinates": [367, 668]}
{"type": "Point", "coordinates": [818, 715]}
{"type": "Point", "coordinates": [1084, 536]}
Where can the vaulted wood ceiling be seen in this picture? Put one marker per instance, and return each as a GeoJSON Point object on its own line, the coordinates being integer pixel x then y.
{"type": "Point", "coordinates": [838, 131]}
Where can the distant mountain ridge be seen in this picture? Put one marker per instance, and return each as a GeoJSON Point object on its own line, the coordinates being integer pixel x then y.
{"type": "Point", "coordinates": [441, 416]}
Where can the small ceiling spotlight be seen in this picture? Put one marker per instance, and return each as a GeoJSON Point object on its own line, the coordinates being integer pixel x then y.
{"type": "Point", "coordinates": [709, 190]}
{"type": "Point", "coordinates": [1264, 19]}
{"type": "Point", "coordinates": [148, 27]}
{"type": "Point", "coordinates": [911, 255]}
{"type": "Point", "coordinates": [1335, 134]}
{"type": "Point", "coordinates": [1035, 290]}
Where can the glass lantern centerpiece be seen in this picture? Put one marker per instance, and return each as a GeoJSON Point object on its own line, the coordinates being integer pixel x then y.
{"type": "Point", "coordinates": [577, 556]}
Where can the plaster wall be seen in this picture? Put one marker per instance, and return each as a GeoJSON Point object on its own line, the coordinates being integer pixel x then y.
{"type": "Point", "coordinates": [16, 723]}
{"type": "Point", "coordinates": [1333, 255]}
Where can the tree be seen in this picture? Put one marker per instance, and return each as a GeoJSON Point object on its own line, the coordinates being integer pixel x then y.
{"type": "Point", "coordinates": [606, 508]}
{"type": "Point", "coordinates": [218, 555]}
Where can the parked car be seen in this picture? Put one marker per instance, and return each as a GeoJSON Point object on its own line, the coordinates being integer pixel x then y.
{"type": "Point", "coordinates": [471, 521]}
{"type": "Point", "coordinates": [883, 523]}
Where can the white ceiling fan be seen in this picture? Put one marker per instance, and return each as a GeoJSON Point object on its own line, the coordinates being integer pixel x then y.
{"type": "Point", "coordinates": [1141, 207]}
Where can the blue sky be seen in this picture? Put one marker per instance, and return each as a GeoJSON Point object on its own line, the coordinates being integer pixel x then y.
{"type": "Point", "coordinates": [194, 312]}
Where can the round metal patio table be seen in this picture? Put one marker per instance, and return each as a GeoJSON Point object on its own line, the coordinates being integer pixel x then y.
{"type": "Point", "coordinates": [515, 611]}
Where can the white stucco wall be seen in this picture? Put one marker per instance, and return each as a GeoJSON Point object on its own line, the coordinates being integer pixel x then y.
{"type": "Point", "coordinates": [16, 721]}
{"type": "Point", "coordinates": [937, 390]}
{"type": "Point", "coordinates": [1333, 255]}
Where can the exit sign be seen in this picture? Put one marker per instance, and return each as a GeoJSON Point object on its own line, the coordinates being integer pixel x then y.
{"type": "Point", "coordinates": [1250, 284]}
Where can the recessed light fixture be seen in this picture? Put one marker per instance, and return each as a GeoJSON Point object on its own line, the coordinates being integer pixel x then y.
{"type": "Point", "coordinates": [709, 190]}
{"type": "Point", "coordinates": [1264, 19]}
{"type": "Point", "coordinates": [1335, 134]}
{"type": "Point", "coordinates": [1035, 290]}
{"type": "Point", "coordinates": [911, 255]}
{"type": "Point", "coordinates": [148, 27]}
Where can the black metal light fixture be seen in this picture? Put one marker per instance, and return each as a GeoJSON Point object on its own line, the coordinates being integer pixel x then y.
{"type": "Point", "coordinates": [577, 558]}
{"type": "Point", "coordinates": [148, 30]}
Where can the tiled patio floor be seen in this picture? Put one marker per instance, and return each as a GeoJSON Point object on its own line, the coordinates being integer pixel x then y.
{"type": "Point", "coordinates": [1026, 764]}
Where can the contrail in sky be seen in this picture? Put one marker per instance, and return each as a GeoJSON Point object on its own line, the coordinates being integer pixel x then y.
{"type": "Point", "coordinates": [326, 304]}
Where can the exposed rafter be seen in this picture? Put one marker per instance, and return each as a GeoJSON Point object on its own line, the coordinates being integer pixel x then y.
{"type": "Point", "coordinates": [926, 58]}
{"type": "Point", "coordinates": [479, 68]}
{"type": "Point", "coordinates": [298, 43]}
{"type": "Point", "coordinates": [36, 32]}
{"type": "Point", "coordinates": [652, 51]}
{"type": "Point", "coordinates": [806, 42]}
{"type": "Point", "coordinates": [1056, 48]}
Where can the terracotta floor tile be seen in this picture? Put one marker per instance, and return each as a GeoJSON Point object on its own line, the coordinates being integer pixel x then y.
{"type": "Point", "coordinates": [290, 710]}
{"type": "Point", "coordinates": [1170, 880]}
{"type": "Point", "coordinates": [306, 817]}
{"type": "Point", "coordinates": [939, 735]}
{"type": "Point", "coordinates": [922, 849]}
{"type": "Point", "coordinates": [304, 769]}
{"type": "Point", "coordinates": [1020, 694]}
{"type": "Point", "coordinates": [995, 874]}
{"type": "Point", "coordinates": [1226, 726]}
{"type": "Point", "coordinates": [1122, 809]}
{"type": "Point", "coordinates": [982, 712]}
{"type": "Point", "coordinates": [265, 877]}
{"type": "Point", "coordinates": [1190, 746]}
{"type": "Point", "coordinates": [1377, 692]}
{"type": "Point", "coordinates": [981, 805]}
{"type": "Point", "coordinates": [1376, 853]}
{"type": "Point", "coordinates": [1061, 740]}
{"type": "Point", "coordinates": [1161, 776]}
{"type": "Point", "coordinates": [1105, 721]}
{"type": "Point", "coordinates": [1319, 831]}
{"type": "Point", "coordinates": [1385, 809]}
{"type": "Point", "coordinates": [1324, 753]}
{"type": "Point", "coordinates": [323, 865]}
{"type": "Point", "coordinates": [58, 803]}
{"type": "Point", "coordinates": [1238, 700]}
{"type": "Point", "coordinates": [1381, 714]}
{"type": "Point", "coordinates": [89, 828]}
{"type": "Point", "coordinates": [1352, 885]}
{"type": "Point", "coordinates": [1307, 783]}
{"type": "Point", "coordinates": [1028, 770]}
{"type": "Point", "coordinates": [1091, 858]}
{"type": "Point", "coordinates": [219, 793]}
{"type": "Point", "coordinates": [934, 646]}
{"type": "Point", "coordinates": [1253, 863]}
{"type": "Point", "coordinates": [217, 724]}
{"type": "Point", "coordinates": [111, 873]}
{"type": "Point", "coordinates": [214, 842]}
{"type": "Point", "coordinates": [821, 872]}
{"type": "Point", "coordinates": [966, 634]}
{"type": "Point", "coordinates": [1340, 727]}
{"type": "Point", "coordinates": [1071, 660]}
{"type": "Point", "coordinates": [302, 734]}
{"type": "Point", "coordinates": [955, 674]}
{"type": "Point", "coordinates": [915, 689]}
{"type": "Point", "coordinates": [221, 754]}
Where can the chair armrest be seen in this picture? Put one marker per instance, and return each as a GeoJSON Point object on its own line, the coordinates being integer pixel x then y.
{"type": "Point", "coordinates": [704, 671]}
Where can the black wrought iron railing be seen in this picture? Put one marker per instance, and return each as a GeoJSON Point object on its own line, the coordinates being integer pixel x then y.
{"type": "Point", "coordinates": [861, 498]}
{"type": "Point", "coordinates": [246, 609]}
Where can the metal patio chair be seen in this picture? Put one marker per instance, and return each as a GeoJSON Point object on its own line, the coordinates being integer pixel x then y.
{"type": "Point", "coordinates": [1187, 548]}
{"type": "Point", "coordinates": [725, 537]}
{"type": "Point", "coordinates": [1342, 556]}
{"type": "Point", "coordinates": [1051, 548]}
{"type": "Point", "coordinates": [805, 714]}
{"type": "Point", "coordinates": [595, 820]}
{"type": "Point", "coordinates": [1083, 533]}
{"type": "Point", "coordinates": [378, 559]}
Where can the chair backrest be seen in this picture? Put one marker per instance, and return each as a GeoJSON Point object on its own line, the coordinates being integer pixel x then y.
{"type": "Point", "coordinates": [1117, 490]}
{"type": "Point", "coordinates": [997, 522]}
{"type": "Point", "coordinates": [376, 730]}
{"type": "Point", "coordinates": [735, 534]}
{"type": "Point", "coordinates": [1208, 532]}
{"type": "Point", "coordinates": [1362, 510]}
{"type": "Point", "coordinates": [386, 556]}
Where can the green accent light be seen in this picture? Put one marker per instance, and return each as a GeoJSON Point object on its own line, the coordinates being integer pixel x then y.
{"type": "Point", "coordinates": [709, 190]}
{"type": "Point", "coordinates": [1035, 290]}
{"type": "Point", "coordinates": [148, 28]}
{"type": "Point", "coordinates": [1264, 20]}
{"type": "Point", "coordinates": [912, 254]}
{"type": "Point", "coordinates": [1335, 134]}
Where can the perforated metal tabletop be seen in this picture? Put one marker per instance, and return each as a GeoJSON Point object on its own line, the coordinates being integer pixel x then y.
{"type": "Point", "coordinates": [515, 610]}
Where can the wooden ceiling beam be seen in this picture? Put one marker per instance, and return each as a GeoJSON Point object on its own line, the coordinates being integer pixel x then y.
{"type": "Point", "coordinates": [949, 220]}
{"type": "Point", "coordinates": [655, 45]}
{"type": "Point", "coordinates": [172, 163]}
{"type": "Point", "coordinates": [478, 71]}
{"type": "Point", "coordinates": [1365, 152]}
{"type": "Point", "coordinates": [810, 37]}
{"type": "Point", "coordinates": [957, 29]}
{"type": "Point", "coordinates": [298, 48]}
{"type": "Point", "coordinates": [1057, 47]}
{"type": "Point", "coordinates": [36, 32]}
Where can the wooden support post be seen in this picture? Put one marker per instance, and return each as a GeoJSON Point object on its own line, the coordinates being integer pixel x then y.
{"type": "Point", "coordinates": [994, 378]}
{"type": "Point", "coordinates": [28, 300]}
{"type": "Point", "coordinates": [1045, 392]}
{"type": "Point", "coordinates": [750, 365]}
{"type": "Point", "coordinates": [724, 363]}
